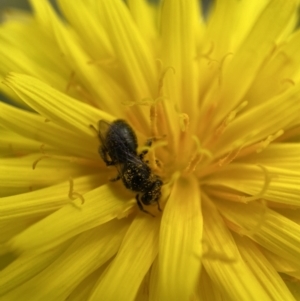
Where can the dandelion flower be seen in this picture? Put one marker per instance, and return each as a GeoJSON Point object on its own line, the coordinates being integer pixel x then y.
{"type": "Point", "coordinates": [219, 95]}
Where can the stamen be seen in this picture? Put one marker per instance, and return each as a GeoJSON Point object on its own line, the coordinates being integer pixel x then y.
{"type": "Point", "coordinates": [153, 133]}
{"type": "Point", "coordinates": [156, 145]}
{"type": "Point", "coordinates": [72, 83]}
{"type": "Point", "coordinates": [263, 145]}
{"type": "Point", "coordinates": [38, 160]}
{"type": "Point", "coordinates": [224, 124]}
{"type": "Point", "coordinates": [286, 83]}
{"type": "Point", "coordinates": [196, 159]}
{"type": "Point", "coordinates": [290, 134]}
{"type": "Point", "coordinates": [208, 53]}
{"type": "Point", "coordinates": [147, 101]}
{"type": "Point", "coordinates": [230, 157]}
{"type": "Point", "coordinates": [69, 159]}
{"type": "Point", "coordinates": [158, 166]}
{"type": "Point", "coordinates": [86, 96]}
{"type": "Point", "coordinates": [153, 116]}
{"type": "Point", "coordinates": [265, 187]}
{"type": "Point", "coordinates": [184, 122]}
{"type": "Point", "coordinates": [260, 146]}
{"type": "Point", "coordinates": [222, 66]}
{"type": "Point", "coordinates": [224, 195]}
{"type": "Point", "coordinates": [162, 77]}
{"type": "Point", "coordinates": [230, 117]}
{"type": "Point", "coordinates": [73, 194]}
{"type": "Point", "coordinates": [153, 121]}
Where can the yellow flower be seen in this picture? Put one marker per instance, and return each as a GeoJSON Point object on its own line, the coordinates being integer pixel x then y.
{"type": "Point", "coordinates": [220, 96]}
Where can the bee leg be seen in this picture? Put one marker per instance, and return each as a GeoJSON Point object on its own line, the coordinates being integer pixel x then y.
{"type": "Point", "coordinates": [158, 206]}
{"type": "Point", "coordinates": [118, 177]}
{"type": "Point", "coordinates": [103, 155]}
{"type": "Point", "coordinates": [149, 142]}
{"type": "Point", "coordinates": [144, 152]}
{"type": "Point", "coordinates": [141, 206]}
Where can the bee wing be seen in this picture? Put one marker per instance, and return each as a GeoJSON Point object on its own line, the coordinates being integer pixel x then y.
{"type": "Point", "coordinates": [118, 140]}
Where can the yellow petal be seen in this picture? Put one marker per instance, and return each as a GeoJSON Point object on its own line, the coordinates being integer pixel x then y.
{"type": "Point", "coordinates": [27, 266]}
{"type": "Point", "coordinates": [229, 23]}
{"type": "Point", "coordinates": [83, 256]}
{"type": "Point", "coordinates": [124, 275]}
{"type": "Point", "coordinates": [144, 15]}
{"type": "Point", "coordinates": [179, 20]}
{"type": "Point", "coordinates": [207, 290]}
{"type": "Point", "coordinates": [10, 228]}
{"type": "Point", "coordinates": [223, 263]}
{"type": "Point", "coordinates": [252, 53]}
{"type": "Point", "coordinates": [83, 18]}
{"type": "Point", "coordinates": [257, 123]}
{"type": "Point", "coordinates": [46, 200]}
{"type": "Point", "coordinates": [282, 265]}
{"type": "Point", "coordinates": [279, 73]}
{"type": "Point", "coordinates": [101, 205]}
{"type": "Point", "coordinates": [70, 113]}
{"type": "Point", "coordinates": [283, 186]}
{"type": "Point", "coordinates": [36, 127]}
{"type": "Point", "coordinates": [18, 173]}
{"type": "Point", "coordinates": [263, 270]}
{"type": "Point", "coordinates": [154, 281]}
{"type": "Point", "coordinates": [283, 155]}
{"type": "Point", "coordinates": [130, 48]}
{"type": "Point", "coordinates": [104, 92]}
{"type": "Point", "coordinates": [84, 289]}
{"type": "Point", "coordinates": [24, 48]}
{"type": "Point", "coordinates": [12, 145]}
{"type": "Point", "coordinates": [265, 226]}
{"type": "Point", "coordinates": [180, 242]}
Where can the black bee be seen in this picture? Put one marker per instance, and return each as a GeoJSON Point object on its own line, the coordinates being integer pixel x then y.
{"type": "Point", "coordinates": [119, 148]}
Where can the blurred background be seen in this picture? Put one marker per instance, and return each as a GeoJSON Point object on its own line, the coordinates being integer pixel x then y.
{"type": "Point", "coordinates": [22, 4]}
